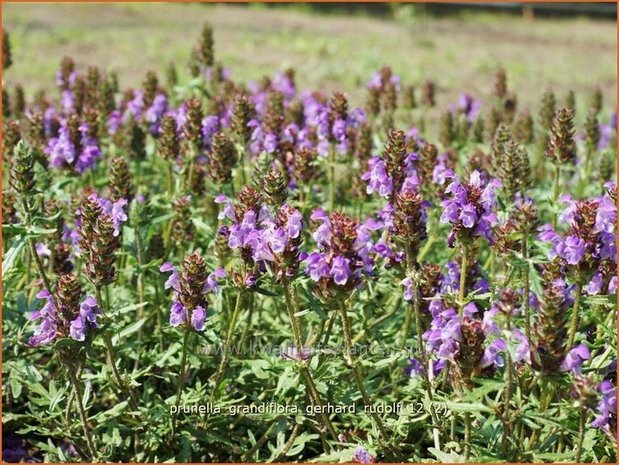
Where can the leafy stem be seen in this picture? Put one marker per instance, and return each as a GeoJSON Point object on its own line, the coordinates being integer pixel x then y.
{"type": "Point", "coordinates": [82, 413]}
{"type": "Point", "coordinates": [575, 315]}
{"type": "Point", "coordinates": [181, 381]}
{"type": "Point", "coordinates": [307, 375]}
{"type": "Point", "coordinates": [227, 345]}
{"type": "Point", "coordinates": [352, 362]}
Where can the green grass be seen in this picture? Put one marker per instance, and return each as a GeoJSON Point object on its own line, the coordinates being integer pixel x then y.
{"type": "Point", "coordinates": [328, 51]}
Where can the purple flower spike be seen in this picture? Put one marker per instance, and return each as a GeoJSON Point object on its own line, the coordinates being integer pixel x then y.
{"type": "Point", "coordinates": [469, 208]}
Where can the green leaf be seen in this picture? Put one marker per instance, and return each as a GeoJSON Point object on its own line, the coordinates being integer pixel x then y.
{"type": "Point", "coordinates": [446, 457]}
{"type": "Point", "coordinates": [11, 255]}
{"type": "Point", "coordinates": [467, 407]}
{"type": "Point", "coordinates": [132, 328]}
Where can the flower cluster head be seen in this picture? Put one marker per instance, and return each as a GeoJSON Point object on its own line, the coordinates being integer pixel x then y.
{"type": "Point", "coordinates": [408, 222]}
{"type": "Point", "coordinates": [461, 340]}
{"type": "Point", "coordinates": [469, 208]}
{"type": "Point", "coordinates": [99, 226]}
{"type": "Point", "coordinates": [523, 218]}
{"type": "Point", "coordinates": [191, 284]}
{"type": "Point", "coordinates": [332, 123]}
{"type": "Point", "coordinates": [65, 313]}
{"type": "Point", "coordinates": [550, 328]}
{"type": "Point", "coordinates": [383, 89]}
{"type": "Point", "coordinates": [394, 170]}
{"type": "Point", "coordinates": [590, 238]}
{"type": "Point", "coordinates": [561, 147]}
{"type": "Point", "coordinates": [343, 254]}
{"type": "Point", "coordinates": [74, 147]}
{"type": "Point", "coordinates": [468, 106]}
{"type": "Point", "coordinates": [264, 239]}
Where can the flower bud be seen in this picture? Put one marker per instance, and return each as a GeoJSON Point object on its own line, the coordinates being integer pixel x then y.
{"type": "Point", "coordinates": [120, 183]}
{"type": "Point", "coordinates": [427, 94]}
{"type": "Point", "coordinates": [561, 148]}
{"type": "Point", "coordinates": [241, 115]}
{"type": "Point", "coordinates": [223, 157]}
{"type": "Point", "coordinates": [7, 57]}
{"type": "Point", "coordinates": [168, 144]}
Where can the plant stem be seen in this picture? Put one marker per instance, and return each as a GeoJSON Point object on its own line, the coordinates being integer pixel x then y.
{"type": "Point", "coordinates": [112, 356]}
{"type": "Point", "coordinates": [140, 286]}
{"type": "Point", "coordinates": [33, 249]}
{"type": "Point", "coordinates": [411, 266]}
{"type": "Point", "coordinates": [307, 375]}
{"type": "Point", "coordinates": [356, 372]}
{"type": "Point", "coordinates": [82, 413]}
{"type": "Point", "coordinates": [331, 179]}
{"type": "Point", "coordinates": [461, 295]}
{"type": "Point", "coordinates": [463, 272]}
{"type": "Point", "coordinates": [467, 435]}
{"type": "Point", "coordinates": [527, 289]}
{"type": "Point", "coordinates": [171, 179]}
{"type": "Point", "coordinates": [575, 316]}
{"type": "Point", "coordinates": [555, 194]}
{"type": "Point", "coordinates": [581, 433]}
{"type": "Point", "coordinates": [250, 315]}
{"type": "Point", "coordinates": [507, 396]}
{"type": "Point", "coordinates": [244, 157]}
{"type": "Point", "coordinates": [181, 381]}
{"type": "Point", "coordinates": [227, 345]}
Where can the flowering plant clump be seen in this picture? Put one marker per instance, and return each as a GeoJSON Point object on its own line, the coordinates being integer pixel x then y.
{"type": "Point", "coordinates": [212, 270]}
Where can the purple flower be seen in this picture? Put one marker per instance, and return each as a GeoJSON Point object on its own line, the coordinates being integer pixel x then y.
{"type": "Point", "coordinates": [293, 353]}
{"type": "Point", "coordinates": [361, 455]}
{"type": "Point", "coordinates": [172, 281]}
{"type": "Point", "coordinates": [317, 266]}
{"type": "Point", "coordinates": [115, 210]}
{"type": "Point", "coordinates": [42, 250]}
{"type": "Point", "coordinates": [469, 106]}
{"type": "Point", "coordinates": [198, 317]}
{"type": "Point", "coordinates": [572, 249]}
{"type": "Point", "coordinates": [441, 173]}
{"type": "Point", "coordinates": [212, 285]}
{"type": "Point", "coordinates": [574, 359]}
{"type": "Point", "coordinates": [523, 349]}
{"type": "Point", "coordinates": [469, 208]}
{"type": "Point", "coordinates": [408, 289]}
{"type": "Point", "coordinates": [322, 235]}
{"type": "Point", "coordinates": [63, 153]}
{"type": "Point", "coordinates": [413, 367]}
{"type": "Point", "coordinates": [135, 106]}
{"type": "Point", "coordinates": [178, 314]}
{"type": "Point", "coordinates": [607, 212]}
{"type": "Point", "coordinates": [595, 285]}
{"type": "Point", "coordinates": [492, 354]}
{"type": "Point", "coordinates": [282, 82]}
{"type": "Point", "coordinates": [155, 112]}
{"type": "Point", "coordinates": [340, 270]}
{"type": "Point", "coordinates": [606, 418]}
{"type": "Point", "coordinates": [377, 178]}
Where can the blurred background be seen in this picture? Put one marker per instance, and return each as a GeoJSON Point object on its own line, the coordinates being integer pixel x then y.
{"type": "Point", "coordinates": [335, 46]}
